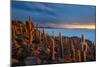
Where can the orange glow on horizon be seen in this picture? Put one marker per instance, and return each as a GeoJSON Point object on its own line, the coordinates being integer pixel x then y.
{"type": "Point", "coordinates": [80, 26]}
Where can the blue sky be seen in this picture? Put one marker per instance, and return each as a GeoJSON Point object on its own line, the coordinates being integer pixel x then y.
{"type": "Point", "coordinates": [47, 13]}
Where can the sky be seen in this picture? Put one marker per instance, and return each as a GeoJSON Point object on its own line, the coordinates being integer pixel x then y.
{"type": "Point", "coordinates": [55, 15]}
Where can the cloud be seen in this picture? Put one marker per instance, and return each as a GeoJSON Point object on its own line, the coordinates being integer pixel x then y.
{"type": "Point", "coordinates": [47, 13]}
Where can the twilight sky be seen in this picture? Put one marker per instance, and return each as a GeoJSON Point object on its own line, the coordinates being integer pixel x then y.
{"type": "Point", "coordinates": [55, 15]}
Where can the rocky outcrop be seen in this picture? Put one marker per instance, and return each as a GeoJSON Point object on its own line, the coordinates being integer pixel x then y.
{"type": "Point", "coordinates": [31, 46]}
